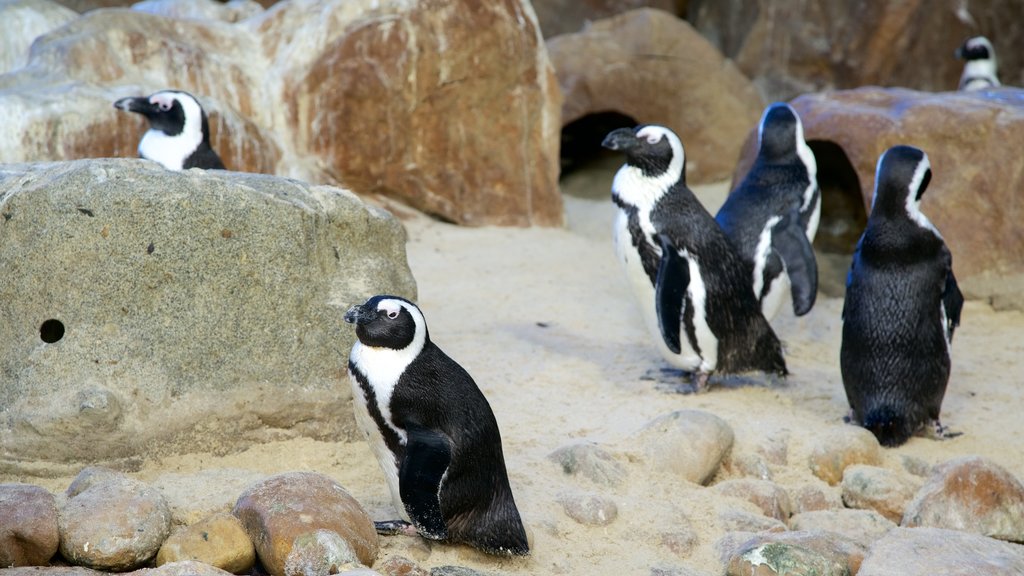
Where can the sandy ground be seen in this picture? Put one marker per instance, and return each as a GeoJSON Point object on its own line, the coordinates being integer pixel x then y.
{"type": "Point", "coordinates": [544, 321]}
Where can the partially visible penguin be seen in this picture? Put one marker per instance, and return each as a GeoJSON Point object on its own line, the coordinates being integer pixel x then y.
{"type": "Point", "coordinates": [772, 216]}
{"type": "Point", "coordinates": [980, 67]}
{"type": "Point", "coordinates": [179, 132]}
{"type": "Point", "coordinates": [432, 431]}
{"type": "Point", "coordinates": [692, 286]}
{"type": "Point", "coordinates": [902, 305]}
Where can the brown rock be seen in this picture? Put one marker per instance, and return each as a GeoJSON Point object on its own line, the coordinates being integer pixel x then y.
{"type": "Point", "coordinates": [688, 444]}
{"type": "Point", "coordinates": [400, 566]}
{"type": "Point", "coordinates": [771, 498]}
{"type": "Point", "coordinates": [840, 447]}
{"type": "Point", "coordinates": [320, 553]}
{"type": "Point", "coordinates": [29, 533]}
{"type": "Point", "coordinates": [831, 550]}
{"type": "Point", "coordinates": [970, 494]}
{"type": "Point", "coordinates": [282, 508]}
{"type": "Point", "coordinates": [568, 16]}
{"type": "Point", "coordinates": [865, 527]}
{"type": "Point", "coordinates": [219, 540]}
{"type": "Point", "coordinates": [90, 476]}
{"type": "Point", "coordinates": [810, 497]}
{"type": "Point", "coordinates": [656, 69]}
{"type": "Point", "coordinates": [743, 521]}
{"type": "Point", "coordinates": [182, 568]}
{"type": "Point", "coordinates": [879, 489]}
{"type": "Point", "coordinates": [931, 551]}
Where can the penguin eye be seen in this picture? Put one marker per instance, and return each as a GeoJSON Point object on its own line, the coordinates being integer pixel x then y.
{"type": "Point", "coordinates": [393, 314]}
{"type": "Point", "coordinates": [165, 106]}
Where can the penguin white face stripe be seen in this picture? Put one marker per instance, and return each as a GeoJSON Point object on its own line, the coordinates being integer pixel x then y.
{"type": "Point", "coordinates": [803, 151]}
{"type": "Point", "coordinates": [641, 191]}
{"type": "Point", "coordinates": [913, 202]}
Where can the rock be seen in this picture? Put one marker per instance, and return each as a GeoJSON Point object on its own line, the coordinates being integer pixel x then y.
{"type": "Point", "coordinates": [865, 527]}
{"type": "Point", "coordinates": [689, 444]}
{"type": "Point", "coordinates": [219, 541]}
{"type": "Point", "coordinates": [116, 524]}
{"type": "Point", "coordinates": [89, 477]}
{"type": "Point", "coordinates": [750, 465]}
{"type": "Point", "coordinates": [567, 16]}
{"type": "Point", "coordinates": [970, 494]}
{"type": "Point", "coordinates": [771, 498]}
{"type": "Point", "coordinates": [782, 559]}
{"type": "Point", "coordinates": [21, 22]}
{"type": "Point", "coordinates": [400, 566]}
{"type": "Point", "coordinates": [52, 571]}
{"type": "Point", "coordinates": [590, 461]}
{"type": "Point", "coordinates": [840, 447]}
{"type": "Point", "coordinates": [930, 551]}
{"type": "Point", "coordinates": [194, 497]}
{"type": "Point", "coordinates": [810, 497]}
{"type": "Point", "coordinates": [834, 548]}
{"type": "Point", "coordinates": [182, 568]}
{"type": "Point", "coordinates": [320, 553]}
{"type": "Point", "coordinates": [878, 489]}
{"type": "Point", "coordinates": [29, 533]}
{"type": "Point", "coordinates": [590, 509]}
{"type": "Point", "coordinates": [185, 311]}
{"type": "Point", "coordinates": [916, 466]}
{"type": "Point", "coordinates": [743, 521]}
{"type": "Point", "coordinates": [656, 69]}
{"type": "Point", "coordinates": [201, 9]}
{"type": "Point", "coordinates": [282, 508]}
{"type": "Point", "coordinates": [454, 571]}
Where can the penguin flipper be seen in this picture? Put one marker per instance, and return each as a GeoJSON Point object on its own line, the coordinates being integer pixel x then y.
{"type": "Point", "coordinates": [427, 455]}
{"type": "Point", "coordinates": [790, 241]}
{"type": "Point", "coordinates": [669, 290]}
{"type": "Point", "coordinates": [953, 303]}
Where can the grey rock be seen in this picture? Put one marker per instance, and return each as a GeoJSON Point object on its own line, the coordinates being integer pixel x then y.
{"type": "Point", "coordinates": [931, 551]}
{"type": "Point", "coordinates": [320, 553]}
{"type": "Point", "coordinates": [90, 476]}
{"type": "Point", "coordinates": [590, 461]}
{"type": "Point", "coordinates": [916, 466]}
{"type": "Point", "coordinates": [779, 558]}
{"type": "Point", "coordinates": [865, 527]}
{"type": "Point", "coordinates": [743, 521]}
{"type": "Point", "coordinates": [187, 311]}
{"type": "Point", "coordinates": [688, 444]}
{"type": "Point", "coordinates": [879, 489]}
{"type": "Point", "coordinates": [29, 533]}
{"type": "Point", "coordinates": [454, 571]}
{"type": "Point", "coordinates": [771, 498]}
{"type": "Point", "coordinates": [590, 509]}
{"type": "Point", "coordinates": [21, 22]}
{"type": "Point", "coordinates": [834, 547]}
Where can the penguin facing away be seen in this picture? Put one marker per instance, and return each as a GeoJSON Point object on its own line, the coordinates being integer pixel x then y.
{"type": "Point", "coordinates": [980, 67]}
{"type": "Point", "coordinates": [179, 131]}
{"type": "Point", "coordinates": [902, 305]}
{"type": "Point", "coordinates": [432, 431]}
{"type": "Point", "coordinates": [772, 216]}
{"type": "Point", "coordinates": [692, 286]}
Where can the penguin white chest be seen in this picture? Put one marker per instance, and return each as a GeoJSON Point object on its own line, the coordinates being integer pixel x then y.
{"type": "Point", "coordinates": [169, 151]}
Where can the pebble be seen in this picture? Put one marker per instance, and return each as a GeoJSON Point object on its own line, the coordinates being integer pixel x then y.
{"type": "Point", "coordinates": [879, 489]}
{"type": "Point", "coordinates": [771, 498]}
{"type": "Point", "coordinates": [320, 553]}
{"type": "Point", "coordinates": [836, 548]}
{"type": "Point", "coordinates": [741, 521]}
{"type": "Point", "coordinates": [865, 527]}
{"type": "Point", "coordinates": [778, 559]}
{"type": "Point", "coordinates": [972, 494]}
{"type": "Point", "coordinates": [112, 522]}
{"type": "Point", "coordinates": [590, 461]}
{"type": "Point", "coordinates": [931, 551]}
{"type": "Point", "coordinates": [400, 566]}
{"type": "Point", "coordinates": [811, 497]}
{"type": "Point", "coordinates": [279, 509]}
{"type": "Point", "coordinates": [219, 540]}
{"type": "Point", "coordinates": [29, 533]}
{"type": "Point", "coordinates": [689, 444]}
{"type": "Point", "coordinates": [589, 509]}
{"type": "Point", "coordinates": [840, 447]}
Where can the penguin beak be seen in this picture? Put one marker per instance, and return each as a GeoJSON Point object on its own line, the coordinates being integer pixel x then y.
{"type": "Point", "coordinates": [140, 105]}
{"type": "Point", "coordinates": [360, 315]}
{"type": "Point", "coordinates": [621, 139]}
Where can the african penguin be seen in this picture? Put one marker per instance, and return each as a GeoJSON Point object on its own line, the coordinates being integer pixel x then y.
{"type": "Point", "coordinates": [693, 287]}
{"type": "Point", "coordinates": [980, 67]}
{"type": "Point", "coordinates": [179, 132]}
{"type": "Point", "coordinates": [902, 305]}
{"type": "Point", "coordinates": [432, 431]}
{"type": "Point", "coordinates": [772, 216]}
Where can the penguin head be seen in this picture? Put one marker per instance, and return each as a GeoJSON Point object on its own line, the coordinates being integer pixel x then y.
{"type": "Point", "coordinates": [388, 322]}
{"type": "Point", "coordinates": [779, 133]}
{"type": "Point", "coordinates": [655, 150]}
{"type": "Point", "coordinates": [977, 48]}
{"type": "Point", "coordinates": [172, 112]}
{"type": "Point", "coordinates": [902, 176]}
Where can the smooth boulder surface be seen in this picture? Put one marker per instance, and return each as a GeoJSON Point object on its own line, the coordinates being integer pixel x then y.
{"type": "Point", "coordinates": [21, 22]}
{"type": "Point", "coordinates": [29, 533]}
{"type": "Point", "coordinates": [931, 551]}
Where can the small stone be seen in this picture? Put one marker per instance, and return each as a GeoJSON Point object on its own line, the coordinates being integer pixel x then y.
{"type": "Point", "coordinates": [878, 489]}
{"type": "Point", "coordinates": [841, 447]}
{"type": "Point", "coordinates": [590, 509]}
{"type": "Point", "coordinates": [454, 571]}
{"type": "Point", "coordinates": [181, 568]}
{"type": "Point", "coordinates": [771, 498]}
{"type": "Point", "coordinates": [680, 543]}
{"type": "Point", "coordinates": [741, 521]}
{"type": "Point", "coordinates": [931, 551]}
{"type": "Point", "coordinates": [219, 540]}
{"type": "Point", "coordinates": [811, 497]}
{"type": "Point", "coordinates": [865, 527]}
{"type": "Point", "coordinates": [29, 533]}
{"type": "Point", "coordinates": [750, 465]}
{"type": "Point", "coordinates": [400, 566]}
{"type": "Point", "coordinates": [91, 475]}
{"type": "Point", "coordinates": [590, 461]}
{"type": "Point", "coordinates": [778, 559]}
{"type": "Point", "coordinates": [320, 553]}
{"type": "Point", "coordinates": [970, 494]}
{"type": "Point", "coordinates": [689, 444]}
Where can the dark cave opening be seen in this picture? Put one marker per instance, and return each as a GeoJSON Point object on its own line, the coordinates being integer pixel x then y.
{"type": "Point", "coordinates": [843, 216]}
{"type": "Point", "coordinates": [582, 155]}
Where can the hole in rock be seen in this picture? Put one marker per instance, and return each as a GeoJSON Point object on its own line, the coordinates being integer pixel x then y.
{"type": "Point", "coordinates": [51, 331]}
{"type": "Point", "coordinates": [587, 169]}
{"type": "Point", "coordinates": [842, 215]}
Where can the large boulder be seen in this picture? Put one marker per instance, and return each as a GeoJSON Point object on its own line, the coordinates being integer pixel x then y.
{"type": "Point", "coordinates": [567, 16]}
{"type": "Point", "coordinates": [655, 68]}
{"type": "Point", "coordinates": [147, 311]}
{"type": "Point", "coordinates": [21, 22]}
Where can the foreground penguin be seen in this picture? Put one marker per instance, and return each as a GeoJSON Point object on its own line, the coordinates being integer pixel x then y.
{"type": "Point", "coordinates": [980, 68]}
{"type": "Point", "coordinates": [772, 216]}
{"type": "Point", "coordinates": [693, 288]}
{"type": "Point", "coordinates": [179, 133]}
{"type": "Point", "coordinates": [902, 305]}
{"type": "Point", "coordinates": [432, 431]}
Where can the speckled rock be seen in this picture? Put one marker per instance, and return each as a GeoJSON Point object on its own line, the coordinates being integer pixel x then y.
{"type": "Point", "coordinates": [29, 533]}
{"type": "Point", "coordinates": [219, 541]}
{"type": "Point", "coordinates": [115, 524]}
{"type": "Point", "coordinates": [971, 494]}
{"type": "Point", "coordinates": [864, 527]}
{"type": "Point", "coordinates": [771, 498]}
{"type": "Point", "coordinates": [932, 551]}
{"type": "Point", "coordinates": [778, 559]}
{"type": "Point", "coordinates": [21, 22]}
{"type": "Point", "coordinates": [400, 566]}
{"type": "Point", "coordinates": [689, 444]}
{"type": "Point", "coordinates": [567, 16]}
{"type": "Point", "coordinates": [320, 553]}
{"type": "Point", "coordinates": [232, 11]}
{"type": "Point", "coordinates": [280, 509]}
{"type": "Point", "coordinates": [842, 446]}
{"type": "Point", "coordinates": [831, 546]}
{"type": "Point", "coordinates": [590, 509]}
{"type": "Point", "coordinates": [810, 497]}
{"type": "Point", "coordinates": [878, 489]}
{"type": "Point", "coordinates": [182, 568]}
{"type": "Point", "coordinates": [89, 476]}
{"type": "Point", "coordinates": [590, 461]}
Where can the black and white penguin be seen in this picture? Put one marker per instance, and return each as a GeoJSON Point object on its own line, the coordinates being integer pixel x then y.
{"type": "Point", "coordinates": [980, 67]}
{"type": "Point", "coordinates": [772, 216]}
{"type": "Point", "coordinates": [179, 132]}
{"type": "Point", "coordinates": [432, 431]}
{"type": "Point", "coordinates": [692, 285]}
{"type": "Point", "coordinates": [902, 305]}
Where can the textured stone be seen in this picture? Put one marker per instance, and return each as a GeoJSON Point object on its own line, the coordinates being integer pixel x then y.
{"type": "Point", "coordinates": [232, 11]}
{"type": "Point", "coordinates": [811, 497]}
{"type": "Point", "coordinates": [90, 476]}
{"type": "Point", "coordinates": [931, 551]}
{"type": "Point", "coordinates": [320, 553]}
{"type": "Point", "coordinates": [400, 566]}
{"type": "Point", "coordinates": [21, 22]}
{"type": "Point", "coordinates": [837, 448]}
{"type": "Point", "coordinates": [182, 568]}
{"type": "Point", "coordinates": [590, 509]}
{"type": "Point", "coordinates": [689, 444]}
{"type": "Point", "coordinates": [778, 559]}
{"type": "Point", "coordinates": [971, 494]}
{"type": "Point", "coordinates": [743, 521]}
{"type": "Point", "coordinates": [29, 532]}
{"type": "Point", "coordinates": [566, 16]}
{"type": "Point", "coordinates": [878, 489]}
{"type": "Point", "coordinates": [771, 498]}
{"type": "Point", "coordinates": [864, 527]}
{"type": "Point", "coordinates": [282, 508]}
{"type": "Point", "coordinates": [836, 549]}
{"type": "Point", "coordinates": [749, 464]}
{"type": "Point", "coordinates": [590, 461]}
{"type": "Point", "coordinates": [656, 69]}
{"type": "Point", "coordinates": [199, 310]}
{"type": "Point", "coordinates": [219, 541]}
{"type": "Point", "coordinates": [454, 571]}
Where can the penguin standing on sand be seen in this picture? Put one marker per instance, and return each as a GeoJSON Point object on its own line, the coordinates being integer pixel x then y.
{"type": "Point", "coordinates": [980, 67]}
{"type": "Point", "coordinates": [772, 216]}
{"type": "Point", "coordinates": [902, 305]}
{"type": "Point", "coordinates": [179, 133]}
{"type": "Point", "coordinates": [432, 431]}
{"type": "Point", "coordinates": [693, 288]}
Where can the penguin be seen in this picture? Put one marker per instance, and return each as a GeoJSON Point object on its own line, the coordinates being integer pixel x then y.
{"type": "Point", "coordinates": [179, 132]}
{"type": "Point", "coordinates": [901, 307]}
{"type": "Point", "coordinates": [692, 285]}
{"type": "Point", "coordinates": [772, 216]}
{"type": "Point", "coordinates": [980, 67]}
{"type": "Point", "coordinates": [432, 431]}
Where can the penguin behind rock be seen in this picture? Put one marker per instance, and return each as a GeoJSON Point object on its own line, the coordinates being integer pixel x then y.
{"type": "Point", "coordinates": [980, 67]}
{"type": "Point", "coordinates": [692, 286]}
{"type": "Point", "coordinates": [902, 305]}
{"type": "Point", "coordinates": [772, 216]}
{"type": "Point", "coordinates": [179, 132]}
{"type": "Point", "coordinates": [432, 431]}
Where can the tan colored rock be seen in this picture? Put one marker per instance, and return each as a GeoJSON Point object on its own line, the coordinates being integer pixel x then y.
{"type": "Point", "coordinates": [840, 447]}
{"type": "Point", "coordinates": [400, 566]}
{"type": "Point", "coordinates": [320, 553]}
{"type": "Point", "coordinates": [688, 444]}
{"type": "Point", "coordinates": [865, 527]}
{"type": "Point", "coordinates": [657, 69]}
{"type": "Point", "coordinates": [931, 551]}
{"type": "Point", "coordinates": [29, 532]}
{"type": "Point", "coordinates": [810, 497]}
{"type": "Point", "coordinates": [219, 540]}
{"type": "Point", "coordinates": [829, 550]}
{"type": "Point", "coordinates": [771, 498]}
{"type": "Point", "coordinates": [589, 509]}
{"type": "Point", "coordinates": [568, 16]}
{"type": "Point", "coordinates": [878, 489]}
{"type": "Point", "coordinates": [21, 22]}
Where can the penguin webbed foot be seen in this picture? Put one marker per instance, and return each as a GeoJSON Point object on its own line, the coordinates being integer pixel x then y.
{"type": "Point", "coordinates": [936, 431]}
{"type": "Point", "coordinates": [395, 527]}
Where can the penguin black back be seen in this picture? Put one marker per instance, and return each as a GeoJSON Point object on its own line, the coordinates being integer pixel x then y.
{"type": "Point", "coordinates": [179, 134]}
